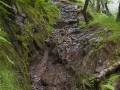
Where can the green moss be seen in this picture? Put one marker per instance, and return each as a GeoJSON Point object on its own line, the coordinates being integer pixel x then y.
{"type": "Point", "coordinates": [8, 76]}
{"type": "Point", "coordinates": [109, 23]}
{"type": "Point", "coordinates": [39, 20]}
{"type": "Point", "coordinates": [82, 24]}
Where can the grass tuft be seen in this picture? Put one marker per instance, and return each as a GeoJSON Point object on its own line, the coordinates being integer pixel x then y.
{"type": "Point", "coordinates": [109, 23]}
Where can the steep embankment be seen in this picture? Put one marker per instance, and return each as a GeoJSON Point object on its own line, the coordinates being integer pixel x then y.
{"type": "Point", "coordinates": [74, 56]}
{"type": "Point", "coordinates": [68, 59]}
{"type": "Point", "coordinates": [27, 23]}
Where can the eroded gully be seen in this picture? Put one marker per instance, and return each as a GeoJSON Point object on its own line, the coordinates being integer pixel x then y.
{"type": "Point", "coordinates": [69, 58]}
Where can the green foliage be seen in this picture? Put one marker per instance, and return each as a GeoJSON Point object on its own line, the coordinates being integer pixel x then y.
{"type": "Point", "coordinates": [2, 39]}
{"type": "Point", "coordinates": [6, 56]}
{"type": "Point", "coordinates": [113, 78]}
{"type": "Point", "coordinates": [24, 1]}
{"type": "Point", "coordinates": [2, 33]}
{"type": "Point", "coordinates": [82, 24]}
{"type": "Point", "coordinates": [111, 34]}
{"type": "Point", "coordinates": [8, 80]}
{"type": "Point", "coordinates": [73, 0]}
{"type": "Point", "coordinates": [77, 2]}
{"type": "Point", "coordinates": [109, 23]}
{"type": "Point", "coordinates": [40, 15]}
{"type": "Point", "coordinates": [5, 4]}
{"type": "Point", "coordinates": [2, 9]}
{"type": "Point", "coordinates": [48, 11]}
{"type": "Point", "coordinates": [107, 84]}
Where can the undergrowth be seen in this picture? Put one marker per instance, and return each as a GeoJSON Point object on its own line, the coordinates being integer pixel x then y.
{"type": "Point", "coordinates": [107, 84]}
{"type": "Point", "coordinates": [40, 16]}
{"type": "Point", "coordinates": [48, 11]}
{"type": "Point", "coordinates": [111, 29]}
{"type": "Point", "coordinates": [8, 80]}
{"type": "Point", "coordinates": [109, 23]}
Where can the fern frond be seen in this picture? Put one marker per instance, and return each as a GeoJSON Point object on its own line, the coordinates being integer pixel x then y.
{"type": "Point", "coordinates": [24, 1]}
{"type": "Point", "coordinates": [7, 57]}
{"type": "Point", "coordinates": [3, 9]}
{"type": "Point", "coordinates": [5, 4]}
{"type": "Point", "coordinates": [108, 86]}
{"type": "Point", "coordinates": [2, 33]}
{"type": "Point", "coordinates": [4, 40]}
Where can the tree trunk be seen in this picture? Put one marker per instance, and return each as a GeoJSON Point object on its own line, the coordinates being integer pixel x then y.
{"type": "Point", "coordinates": [85, 10]}
{"type": "Point", "coordinates": [103, 7]}
{"type": "Point", "coordinates": [108, 12]}
{"type": "Point", "coordinates": [92, 3]}
{"type": "Point", "coordinates": [118, 15]}
{"type": "Point", "coordinates": [98, 6]}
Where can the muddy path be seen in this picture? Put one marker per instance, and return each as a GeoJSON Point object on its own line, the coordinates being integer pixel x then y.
{"type": "Point", "coordinates": [72, 54]}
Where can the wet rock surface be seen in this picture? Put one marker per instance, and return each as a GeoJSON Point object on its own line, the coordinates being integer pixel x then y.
{"type": "Point", "coordinates": [68, 14]}
{"type": "Point", "coordinates": [116, 84]}
{"type": "Point", "coordinates": [72, 52]}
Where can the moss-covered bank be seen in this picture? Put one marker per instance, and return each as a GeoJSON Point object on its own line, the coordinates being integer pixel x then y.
{"type": "Point", "coordinates": [26, 23]}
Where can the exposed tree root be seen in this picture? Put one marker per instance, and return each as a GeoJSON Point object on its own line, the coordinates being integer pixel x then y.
{"type": "Point", "coordinates": [106, 71]}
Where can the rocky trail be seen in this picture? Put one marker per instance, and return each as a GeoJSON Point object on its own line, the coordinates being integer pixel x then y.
{"type": "Point", "coordinates": [73, 54]}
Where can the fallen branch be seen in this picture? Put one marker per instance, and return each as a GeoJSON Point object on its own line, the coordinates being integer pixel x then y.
{"type": "Point", "coordinates": [107, 71]}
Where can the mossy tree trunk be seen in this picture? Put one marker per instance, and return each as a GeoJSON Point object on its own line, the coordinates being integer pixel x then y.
{"type": "Point", "coordinates": [85, 11]}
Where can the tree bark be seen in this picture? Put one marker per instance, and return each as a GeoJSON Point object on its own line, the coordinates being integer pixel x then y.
{"type": "Point", "coordinates": [108, 12]}
{"type": "Point", "coordinates": [85, 11]}
{"type": "Point", "coordinates": [93, 5]}
{"type": "Point", "coordinates": [98, 6]}
{"type": "Point", "coordinates": [103, 7]}
{"type": "Point", "coordinates": [118, 15]}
